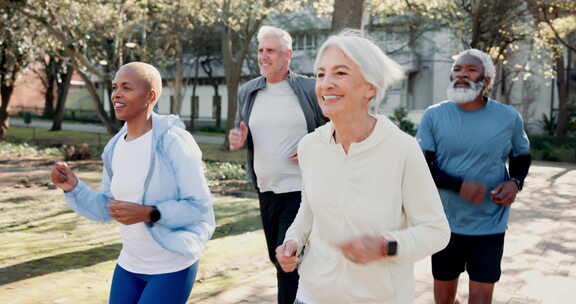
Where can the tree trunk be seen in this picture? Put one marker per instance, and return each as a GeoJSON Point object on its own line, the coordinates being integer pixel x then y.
{"type": "Point", "coordinates": [217, 99]}
{"type": "Point", "coordinates": [475, 39]}
{"type": "Point", "coordinates": [111, 115]}
{"type": "Point", "coordinates": [505, 85]}
{"type": "Point", "coordinates": [5, 94]}
{"type": "Point", "coordinates": [111, 127]}
{"type": "Point", "coordinates": [6, 89]}
{"type": "Point", "coordinates": [194, 86]}
{"type": "Point", "coordinates": [176, 106]}
{"type": "Point", "coordinates": [217, 106]}
{"type": "Point", "coordinates": [563, 100]}
{"type": "Point", "coordinates": [51, 71]}
{"type": "Point", "coordinates": [63, 88]}
{"type": "Point", "coordinates": [347, 14]}
{"type": "Point", "coordinates": [232, 73]}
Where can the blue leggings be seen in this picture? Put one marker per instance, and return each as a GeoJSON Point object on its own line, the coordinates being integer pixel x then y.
{"type": "Point", "coordinates": [169, 288]}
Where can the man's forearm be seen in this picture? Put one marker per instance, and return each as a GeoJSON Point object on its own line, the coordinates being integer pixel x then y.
{"type": "Point", "coordinates": [441, 178]}
{"type": "Point", "coordinates": [518, 167]}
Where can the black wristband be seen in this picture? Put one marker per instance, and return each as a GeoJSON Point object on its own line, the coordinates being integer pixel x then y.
{"type": "Point", "coordinates": [154, 214]}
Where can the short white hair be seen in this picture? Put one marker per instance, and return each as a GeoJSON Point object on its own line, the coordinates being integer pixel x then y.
{"type": "Point", "coordinates": [282, 35]}
{"type": "Point", "coordinates": [377, 68]}
{"type": "Point", "coordinates": [487, 63]}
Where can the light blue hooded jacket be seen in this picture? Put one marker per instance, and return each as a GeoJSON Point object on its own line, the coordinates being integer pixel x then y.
{"type": "Point", "coordinates": [175, 184]}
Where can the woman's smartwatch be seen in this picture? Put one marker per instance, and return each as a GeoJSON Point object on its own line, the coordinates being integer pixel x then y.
{"type": "Point", "coordinates": [392, 248]}
{"type": "Point", "coordinates": [154, 214]}
{"type": "Point", "coordinates": [388, 247]}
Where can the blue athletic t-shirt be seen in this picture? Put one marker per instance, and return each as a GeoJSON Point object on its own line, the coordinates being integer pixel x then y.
{"type": "Point", "coordinates": [474, 146]}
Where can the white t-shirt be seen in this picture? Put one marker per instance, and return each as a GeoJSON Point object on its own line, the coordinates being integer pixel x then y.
{"type": "Point", "coordinates": [140, 252]}
{"type": "Point", "coordinates": [277, 124]}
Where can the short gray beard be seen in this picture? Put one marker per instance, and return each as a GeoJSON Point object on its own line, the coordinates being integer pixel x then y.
{"type": "Point", "coordinates": [267, 75]}
{"type": "Point", "coordinates": [464, 95]}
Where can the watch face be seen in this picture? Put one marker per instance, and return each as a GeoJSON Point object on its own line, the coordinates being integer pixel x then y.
{"type": "Point", "coordinates": [392, 248]}
{"type": "Point", "coordinates": [517, 182]}
{"type": "Point", "coordinates": [154, 215]}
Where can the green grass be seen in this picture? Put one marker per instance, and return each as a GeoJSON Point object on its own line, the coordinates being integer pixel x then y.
{"type": "Point", "coordinates": [51, 255]}
{"type": "Point", "coordinates": [208, 133]}
{"type": "Point", "coordinates": [97, 142]}
{"type": "Point", "coordinates": [218, 153]}
{"type": "Point", "coordinates": [41, 136]}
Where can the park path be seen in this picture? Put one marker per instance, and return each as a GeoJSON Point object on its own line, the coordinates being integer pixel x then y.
{"type": "Point", "coordinates": [539, 264]}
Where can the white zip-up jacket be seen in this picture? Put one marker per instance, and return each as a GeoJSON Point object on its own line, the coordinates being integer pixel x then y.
{"type": "Point", "coordinates": [382, 186]}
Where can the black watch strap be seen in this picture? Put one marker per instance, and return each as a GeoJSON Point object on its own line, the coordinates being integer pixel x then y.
{"type": "Point", "coordinates": [518, 183]}
{"type": "Point", "coordinates": [154, 214]}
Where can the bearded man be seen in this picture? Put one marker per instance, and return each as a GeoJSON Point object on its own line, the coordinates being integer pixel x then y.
{"type": "Point", "coordinates": [467, 141]}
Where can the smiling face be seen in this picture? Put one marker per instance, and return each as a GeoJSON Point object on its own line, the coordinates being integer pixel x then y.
{"type": "Point", "coordinates": [273, 59]}
{"type": "Point", "coordinates": [132, 96]}
{"type": "Point", "coordinates": [340, 87]}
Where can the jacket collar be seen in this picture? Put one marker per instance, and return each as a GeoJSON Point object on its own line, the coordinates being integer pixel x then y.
{"type": "Point", "coordinates": [261, 81]}
{"type": "Point", "coordinates": [160, 124]}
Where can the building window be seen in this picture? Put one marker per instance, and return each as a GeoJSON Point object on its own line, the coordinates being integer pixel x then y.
{"type": "Point", "coordinates": [306, 40]}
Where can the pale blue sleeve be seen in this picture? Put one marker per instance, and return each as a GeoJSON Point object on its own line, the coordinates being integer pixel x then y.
{"type": "Point", "coordinates": [89, 203]}
{"type": "Point", "coordinates": [425, 136]}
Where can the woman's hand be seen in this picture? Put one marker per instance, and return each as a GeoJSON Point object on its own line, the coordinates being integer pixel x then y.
{"type": "Point", "coordinates": [63, 177]}
{"type": "Point", "coordinates": [364, 249]}
{"type": "Point", "coordinates": [129, 213]}
{"type": "Point", "coordinates": [286, 256]}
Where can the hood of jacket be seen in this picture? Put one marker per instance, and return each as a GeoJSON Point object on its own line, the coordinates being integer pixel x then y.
{"type": "Point", "coordinates": [160, 125]}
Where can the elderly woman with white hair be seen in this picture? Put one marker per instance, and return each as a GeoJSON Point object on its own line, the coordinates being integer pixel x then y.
{"type": "Point", "coordinates": [369, 208]}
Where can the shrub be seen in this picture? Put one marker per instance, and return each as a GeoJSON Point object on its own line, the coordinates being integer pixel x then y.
{"type": "Point", "coordinates": [72, 152]}
{"type": "Point", "coordinates": [8, 149]}
{"type": "Point", "coordinates": [216, 170]}
{"type": "Point", "coordinates": [400, 118]}
{"type": "Point", "coordinates": [551, 148]}
{"type": "Point", "coordinates": [548, 124]}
